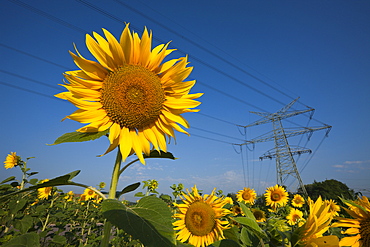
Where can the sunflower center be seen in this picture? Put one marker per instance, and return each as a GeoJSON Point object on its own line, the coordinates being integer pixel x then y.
{"type": "Point", "coordinates": [246, 195]}
{"type": "Point", "coordinates": [132, 96]}
{"type": "Point", "coordinates": [200, 218]}
{"type": "Point", "coordinates": [258, 214]}
{"type": "Point", "coordinates": [365, 232]}
{"type": "Point", "coordinates": [295, 217]}
{"type": "Point", "coordinates": [275, 197]}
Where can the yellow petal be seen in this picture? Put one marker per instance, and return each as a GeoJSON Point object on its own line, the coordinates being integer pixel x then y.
{"type": "Point", "coordinates": [145, 46]}
{"type": "Point", "coordinates": [180, 103]}
{"type": "Point", "coordinates": [125, 141]}
{"type": "Point", "coordinates": [175, 118]}
{"type": "Point", "coordinates": [126, 43]}
{"type": "Point", "coordinates": [149, 135]}
{"type": "Point", "coordinates": [114, 132]}
{"type": "Point", "coordinates": [84, 116]}
{"type": "Point", "coordinates": [116, 49]}
{"type": "Point", "coordinates": [91, 68]}
{"type": "Point", "coordinates": [137, 146]}
{"type": "Point", "coordinates": [99, 53]}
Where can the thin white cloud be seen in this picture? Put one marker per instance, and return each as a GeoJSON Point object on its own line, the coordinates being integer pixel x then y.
{"type": "Point", "coordinates": [357, 162]}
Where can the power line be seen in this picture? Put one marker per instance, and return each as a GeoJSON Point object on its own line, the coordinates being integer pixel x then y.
{"type": "Point", "coordinates": [46, 15]}
{"type": "Point", "coordinates": [29, 79]}
{"type": "Point", "coordinates": [27, 90]}
{"type": "Point", "coordinates": [201, 47]}
{"type": "Point", "coordinates": [69, 25]}
{"type": "Point", "coordinates": [101, 11]}
{"type": "Point", "coordinates": [211, 132]}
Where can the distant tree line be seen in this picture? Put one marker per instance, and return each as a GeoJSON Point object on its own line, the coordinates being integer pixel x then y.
{"type": "Point", "coordinates": [329, 189]}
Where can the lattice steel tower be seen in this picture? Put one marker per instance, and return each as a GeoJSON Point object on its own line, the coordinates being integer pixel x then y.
{"type": "Point", "coordinates": [283, 152]}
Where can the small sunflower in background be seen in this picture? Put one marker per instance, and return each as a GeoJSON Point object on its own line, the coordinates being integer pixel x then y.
{"type": "Point", "coordinates": [200, 220]}
{"type": "Point", "coordinates": [11, 160]}
{"type": "Point", "coordinates": [130, 91]}
{"type": "Point", "coordinates": [89, 194]}
{"type": "Point", "coordinates": [276, 196]}
{"type": "Point", "coordinates": [295, 216]}
{"type": "Point", "coordinates": [237, 210]}
{"type": "Point", "coordinates": [358, 227]}
{"type": "Point", "coordinates": [69, 196]}
{"type": "Point", "coordinates": [45, 192]}
{"type": "Point", "coordinates": [298, 201]}
{"type": "Point", "coordinates": [246, 195]}
{"type": "Point", "coordinates": [259, 215]}
{"type": "Point", "coordinates": [333, 207]}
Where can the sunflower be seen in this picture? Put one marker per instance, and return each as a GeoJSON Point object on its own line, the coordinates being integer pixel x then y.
{"type": "Point", "coordinates": [45, 192]}
{"type": "Point", "coordinates": [276, 196]}
{"type": "Point", "coordinates": [295, 216]}
{"type": "Point", "coordinates": [317, 223]}
{"type": "Point", "coordinates": [298, 201]}
{"type": "Point", "coordinates": [359, 227]}
{"type": "Point", "coordinates": [236, 210]}
{"type": "Point", "coordinates": [11, 160]}
{"type": "Point", "coordinates": [259, 215]}
{"type": "Point", "coordinates": [69, 196]}
{"type": "Point", "coordinates": [199, 218]}
{"type": "Point", "coordinates": [333, 207]}
{"type": "Point", "coordinates": [130, 92]}
{"type": "Point", "coordinates": [89, 194]}
{"type": "Point", "coordinates": [246, 195]}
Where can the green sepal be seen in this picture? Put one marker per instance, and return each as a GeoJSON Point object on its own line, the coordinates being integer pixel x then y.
{"type": "Point", "coordinates": [61, 180]}
{"type": "Point", "coordinates": [79, 137]}
{"type": "Point", "coordinates": [156, 154]}
{"type": "Point", "coordinates": [150, 220]}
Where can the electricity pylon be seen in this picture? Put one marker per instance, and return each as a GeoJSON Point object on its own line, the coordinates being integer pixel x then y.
{"type": "Point", "coordinates": [283, 152]}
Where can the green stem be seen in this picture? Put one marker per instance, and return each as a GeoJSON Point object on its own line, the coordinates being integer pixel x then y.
{"type": "Point", "coordinates": [112, 195]}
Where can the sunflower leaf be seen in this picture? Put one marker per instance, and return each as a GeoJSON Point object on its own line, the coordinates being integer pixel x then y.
{"type": "Point", "coordinates": [8, 179]}
{"type": "Point", "coordinates": [61, 180]}
{"type": "Point", "coordinates": [28, 239]}
{"type": "Point", "coordinates": [79, 137]}
{"type": "Point", "coordinates": [150, 220]}
{"type": "Point", "coordinates": [249, 222]}
{"type": "Point", "coordinates": [128, 189]}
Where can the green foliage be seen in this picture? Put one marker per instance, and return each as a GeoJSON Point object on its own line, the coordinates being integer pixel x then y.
{"type": "Point", "coordinates": [329, 189]}
{"type": "Point", "coordinates": [150, 220]}
{"type": "Point", "coordinates": [79, 137]}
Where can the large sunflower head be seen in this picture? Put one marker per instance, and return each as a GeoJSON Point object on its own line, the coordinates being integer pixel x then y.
{"type": "Point", "coordinates": [11, 160]}
{"type": "Point", "coordinates": [298, 201]}
{"type": "Point", "coordinates": [200, 218]}
{"type": "Point", "coordinates": [246, 195]}
{"type": "Point", "coordinates": [276, 196]}
{"type": "Point", "coordinates": [130, 91]}
{"type": "Point", "coordinates": [359, 226]}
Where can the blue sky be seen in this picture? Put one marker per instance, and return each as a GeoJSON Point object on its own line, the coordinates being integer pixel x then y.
{"type": "Point", "coordinates": [247, 56]}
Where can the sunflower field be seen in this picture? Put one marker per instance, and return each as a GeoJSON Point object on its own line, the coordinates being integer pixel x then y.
{"type": "Point", "coordinates": [135, 97]}
{"type": "Point", "coordinates": [36, 213]}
